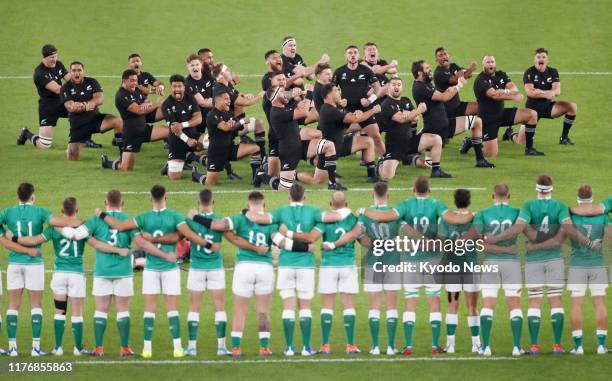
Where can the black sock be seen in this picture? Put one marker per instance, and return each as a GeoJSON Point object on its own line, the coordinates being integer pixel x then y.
{"type": "Point", "coordinates": [477, 144]}
{"type": "Point", "coordinates": [260, 140]}
{"type": "Point", "coordinates": [228, 168]}
{"type": "Point", "coordinates": [435, 167]}
{"type": "Point", "coordinates": [274, 183]}
{"type": "Point", "coordinates": [371, 169]}
{"type": "Point", "coordinates": [529, 134]}
{"type": "Point", "coordinates": [330, 166]}
{"type": "Point", "coordinates": [255, 164]}
{"type": "Point", "coordinates": [33, 138]}
{"type": "Point", "coordinates": [567, 124]}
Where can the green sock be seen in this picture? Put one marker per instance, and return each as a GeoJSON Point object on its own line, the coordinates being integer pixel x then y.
{"type": "Point", "coordinates": [409, 321]}
{"type": "Point", "coordinates": [236, 336]}
{"type": "Point", "coordinates": [327, 317]}
{"type": "Point", "coordinates": [174, 324]}
{"type": "Point", "coordinates": [193, 323]}
{"type": "Point", "coordinates": [288, 326]}
{"type": "Point", "coordinates": [59, 325]}
{"type": "Point", "coordinates": [374, 322]}
{"type": "Point", "coordinates": [556, 319]}
{"type": "Point", "coordinates": [577, 336]}
{"type": "Point", "coordinates": [11, 324]}
{"type": "Point", "coordinates": [148, 325]}
{"type": "Point", "coordinates": [349, 325]}
{"type": "Point", "coordinates": [533, 323]}
{"type": "Point", "coordinates": [37, 321]}
{"type": "Point", "coordinates": [220, 326]}
{"type": "Point", "coordinates": [99, 321]}
{"type": "Point", "coordinates": [123, 326]}
{"type": "Point", "coordinates": [306, 327]}
{"type": "Point", "coordinates": [451, 324]}
{"type": "Point", "coordinates": [264, 339]}
{"type": "Point", "coordinates": [391, 327]}
{"type": "Point", "coordinates": [516, 325]}
{"type": "Point", "coordinates": [601, 337]}
{"type": "Point", "coordinates": [435, 321]}
{"type": "Point", "coordinates": [486, 323]}
{"type": "Point", "coordinates": [474, 330]}
{"type": "Point", "coordinates": [77, 331]}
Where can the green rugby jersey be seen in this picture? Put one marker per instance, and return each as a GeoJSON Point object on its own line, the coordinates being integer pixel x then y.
{"type": "Point", "coordinates": [545, 216]}
{"type": "Point", "coordinates": [494, 220]}
{"type": "Point", "coordinates": [201, 257]}
{"type": "Point", "coordinates": [607, 203]}
{"type": "Point", "coordinates": [25, 220]}
{"type": "Point", "coordinates": [453, 233]}
{"type": "Point", "coordinates": [159, 223]}
{"type": "Point", "coordinates": [375, 230]}
{"type": "Point", "coordinates": [68, 253]}
{"type": "Point", "coordinates": [298, 218]}
{"type": "Point", "coordinates": [593, 227]}
{"type": "Point", "coordinates": [341, 256]}
{"type": "Point", "coordinates": [111, 265]}
{"type": "Point", "coordinates": [423, 214]}
{"type": "Point", "coordinates": [258, 235]}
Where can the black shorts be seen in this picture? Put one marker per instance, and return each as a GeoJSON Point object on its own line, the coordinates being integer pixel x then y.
{"type": "Point", "coordinates": [347, 145]}
{"type": "Point", "coordinates": [49, 112]}
{"type": "Point", "coordinates": [272, 143]}
{"type": "Point", "coordinates": [218, 157]}
{"type": "Point", "coordinates": [178, 149]}
{"type": "Point", "coordinates": [367, 122]}
{"type": "Point", "coordinates": [133, 142]}
{"type": "Point", "coordinates": [491, 125]}
{"type": "Point", "coordinates": [290, 161]}
{"type": "Point", "coordinates": [151, 117]}
{"type": "Point", "coordinates": [544, 111]}
{"type": "Point", "coordinates": [83, 133]}
{"type": "Point", "coordinates": [395, 151]}
{"type": "Point", "coordinates": [457, 111]}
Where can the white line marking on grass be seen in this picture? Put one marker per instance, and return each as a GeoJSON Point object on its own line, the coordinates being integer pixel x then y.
{"type": "Point", "coordinates": [230, 191]}
{"type": "Point", "coordinates": [569, 73]}
{"type": "Point", "coordinates": [278, 361]}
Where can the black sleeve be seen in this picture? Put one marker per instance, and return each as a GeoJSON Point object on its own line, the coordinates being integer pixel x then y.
{"type": "Point", "coordinates": [190, 88]}
{"type": "Point", "coordinates": [555, 75]}
{"type": "Point", "coordinates": [527, 77]}
{"type": "Point", "coordinates": [504, 75]}
{"type": "Point", "coordinates": [65, 93]}
{"type": "Point", "coordinates": [370, 75]}
{"type": "Point", "coordinates": [95, 86]}
{"type": "Point", "coordinates": [266, 83]}
{"type": "Point", "coordinates": [387, 111]}
{"type": "Point", "coordinates": [481, 87]}
{"type": "Point", "coordinates": [410, 105]}
{"type": "Point", "coordinates": [61, 69]}
{"type": "Point", "coordinates": [336, 77]}
{"type": "Point", "coordinates": [41, 79]}
{"type": "Point", "coordinates": [122, 102]}
{"type": "Point", "coordinates": [152, 78]}
{"type": "Point", "coordinates": [166, 110]}
{"type": "Point", "coordinates": [204, 221]}
{"type": "Point", "coordinates": [441, 78]}
{"type": "Point", "coordinates": [194, 105]}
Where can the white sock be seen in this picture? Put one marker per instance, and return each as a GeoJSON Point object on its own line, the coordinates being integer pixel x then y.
{"type": "Point", "coordinates": [221, 342]}
{"type": "Point", "coordinates": [177, 343]}
{"type": "Point", "coordinates": [147, 345]}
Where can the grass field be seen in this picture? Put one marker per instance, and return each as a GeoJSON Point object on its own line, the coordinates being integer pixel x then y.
{"type": "Point", "coordinates": [103, 34]}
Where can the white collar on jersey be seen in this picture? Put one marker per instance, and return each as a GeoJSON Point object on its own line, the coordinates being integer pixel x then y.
{"type": "Point", "coordinates": [500, 203]}
{"type": "Point", "coordinates": [378, 206]}
{"type": "Point", "coordinates": [113, 210]}
{"type": "Point", "coordinates": [544, 197]}
{"type": "Point", "coordinates": [26, 203]}
{"type": "Point", "coordinates": [296, 204]}
{"type": "Point", "coordinates": [421, 197]}
{"type": "Point", "coordinates": [159, 210]}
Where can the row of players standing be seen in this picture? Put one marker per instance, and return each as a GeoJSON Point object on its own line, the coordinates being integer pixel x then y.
{"type": "Point", "coordinates": [352, 120]}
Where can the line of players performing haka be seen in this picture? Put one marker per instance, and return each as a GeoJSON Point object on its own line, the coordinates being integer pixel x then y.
{"type": "Point", "coordinates": [205, 121]}
{"type": "Point", "coordinates": [437, 236]}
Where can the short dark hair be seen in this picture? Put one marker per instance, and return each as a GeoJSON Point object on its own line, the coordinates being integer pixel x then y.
{"type": "Point", "coordinates": [177, 78]}
{"type": "Point", "coordinates": [158, 193]}
{"type": "Point", "coordinates": [501, 190]}
{"type": "Point", "coordinates": [421, 184]}
{"type": "Point", "coordinates": [69, 206]}
{"type": "Point", "coordinates": [269, 53]}
{"type": "Point", "coordinates": [192, 57]}
{"type": "Point", "coordinates": [256, 197]}
{"type": "Point", "coordinates": [462, 198]}
{"type": "Point", "coordinates": [440, 49]}
{"type": "Point", "coordinates": [545, 180]}
{"type": "Point", "coordinates": [113, 198]}
{"type": "Point", "coordinates": [320, 67]}
{"type": "Point", "coordinates": [48, 50]}
{"type": "Point", "coordinates": [204, 50]}
{"type": "Point", "coordinates": [417, 66]}
{"type": "Point", "coordinates": [585, 191]}
{"type": "Point", "coordinates": [381, 189]}
{"type": "Point", "coordinates": [541, 50]}
{"type": "Point", "coordinates": [77, 63]}
{"type": "Point", "coordinates": [326, 89]}
{"type": "Point", "coordinates": [25, 191]}
{"type": "Point", "coordinates": [127, 74]}
{"type": "Point", "coordinates": [296, 192]}
{"type": "Point", "coordinates": [206, 197]}
{"type": "Point", "coordinates": [351, 47]}
{"type": "Point", "coordinates": [369, 44]}
{"type": "Point", "coordinates": [133, 55]}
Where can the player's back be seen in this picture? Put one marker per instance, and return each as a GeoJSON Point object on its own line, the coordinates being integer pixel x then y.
{"type": "Point", "coordinates": [494, 220]}
{"type": "Point", "coordinates": [256, 234]}
{"type": "Point", "coordinates": [201, 257]}
{"type": "Point", "coordinates": [376, 230]}
{"type": "Point", "coordinates": [299, 218]}
{"type": "Point", "coordinates": [343, 255]}
{"type": "Point", "coordinates": [68, 253]}
{"type": "Point", "coordinates": [107, 265]}
{"type": "Point", "coordinates": [545, 215]}
{"type": "Point", "coordinates": [25, 220]}
{"type": "Point", "coordinates": [594, 228]}
{"type": "Point", "coordinates": [159, 223]}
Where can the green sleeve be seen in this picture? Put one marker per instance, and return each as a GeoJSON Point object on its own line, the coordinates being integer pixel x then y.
{"type": "Point", "coordinates": [563, 213]}
{"type": "Point", "coordinates": [3, 217]}
{"type": "Point", "coordinates": [91, 225]}
{"type": "Point", "coordinates": [49, 233]}
{"type": "Point", "coordinates": [2, 231]}
{"type": "Point", "coordinates": [441, 208]}
{"type": "Point", "coordinates": [320, 227]}
{"type": "Point", "coordinates": [443, 229]}
{"type": "Point", "coordinates": [139, 221]}
{"type": "Point", "coordinates": [525, 214]}
{"type": "Point", "coordinates": [276, 216]}
{"type": "Point", "coordinates": [318, 214]}
{"type": "Point", "coordinates": [236, 221]}
{"type": "Point", "coordinates": [46, 215]}
{"type": "Point", "coordinates": [179, 219]}
{"type": "Point", "coordinates": [608, 205]}
{"type": "Point", "coordinates": [479, 222]}
{"type": "Point", "coordinates": [401, 211]}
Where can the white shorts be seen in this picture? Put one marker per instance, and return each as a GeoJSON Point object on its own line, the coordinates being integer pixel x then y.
{"type": "Point", "coordinates": [292, 278]}
{"type": "Point", "coordinates": [30, 277]}
{"type": "Point", "coordinates": [161, 282]}
{"type": "Point", "coordinates": [414, 280]}
{"type": "Point", "coordinates": [338, 279]}
{"type": "Point", "coordinates": [123, 287]}
{"type": "Point", "coordinates": [509, 277]}
{"type": "Point", "coordinates": [71, 284]}
{"type": "Point", "coordinates": [202, 280]}
{"type": "Point", "coordinates": [546, 273]}
{"type": "Point", "coordinates": [253, 279]}
{"type": "Point", "coordinates": [374, 281]}
{"type": "Point", "coordinates": [579, 279]}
